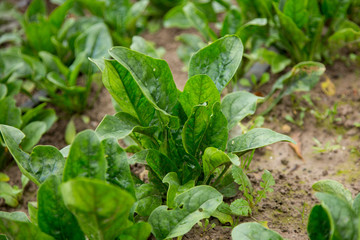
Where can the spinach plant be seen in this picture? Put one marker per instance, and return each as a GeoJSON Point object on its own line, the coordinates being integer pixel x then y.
{"type": "Point", "coordinates": [11, 194]}
{"type": "Point", "coordinates": [33, 122]}
{"type": "Point", "coordinates": [62, 45]}
{"type": "Point", "coordinates": [305, 30]}
{"type": "Point", "coordinates": [181, 137]}
{"type": "Point", "coordinates": [85, 191]}
{"type": "Point", "coordinates": [124, 19]}
{"type": "Point", "coordinates": [336, 217]}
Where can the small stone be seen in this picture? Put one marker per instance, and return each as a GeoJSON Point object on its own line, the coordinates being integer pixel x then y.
{"type": "Point", "coordinates": [286, 128]}
{"type": "Point", "coordinates": [325, 173]}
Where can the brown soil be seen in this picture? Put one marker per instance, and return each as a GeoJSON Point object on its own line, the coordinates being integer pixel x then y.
{"type": "Point", "coordinates": [287, 208]}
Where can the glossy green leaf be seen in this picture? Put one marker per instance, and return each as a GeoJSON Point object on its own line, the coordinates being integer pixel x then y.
{"type": "Point", "coordinates": [33, 212]}
{"type": "Point", "coordinates": [53, 217]}
{"type": "Point", "coordinates": [120, 126]}
{"type": "Point", "coordinates": [254, 231]}
{"type": "Point", "coordinates": [175, 188]}
{"type": "Point", "coordinates": [160, 163]}
{"type": "Point", "coordinates": [191, 206]}
{"type": "Point", "coordinates": [43, 161]}
{"type": "Point", "coordinates": [125, 90]}
{"type": "Point", "coordinates": [212, 159]}
{"type": "Point", "coordinates": [199, 21]}
{"type": "Point", "coordinates": [237, 105]}
{"type": "Point", "coordinates": [219, 60]}
{"type": "Point", "coordinates": [149, 197]}
{"type": "Point", "coordinates": [216, 134]}
{"type": "Point", "coordinates": [194, 129]}
{"type": "Point", "coordinates": [296, 10]}
{"type": "Point", "coordinates": [3, 91]}
{"type": "Point", "coordinates": [105, 214]}
{"type": "Point", "coordinates": [10, 114]}
{"type": "Point", "coordinates": [255, 138]}
{"type": "Point", "coordinates": [345, 220]}
{"type": "Point", "coordinates": [198, 90]}
{"type": "Point", "coordinates": [86, 157]}
{"type": "Point", "coordinates": [46, 161]}
{"type": "Point", "coordinates": [33, 133]}
{"type": "Point", "coordinates": [16, 226]}
{"type": "Point", "coordinates": [333, 187]}
{"type": "Point", "coordinates": [138, 231]}
{"type": "Point", "coordinates": [118, 170]}
{"type": "Point", "coordinates": [39, 113]}
{"type": "Point", "coordinates": [319, 226]}
{"type": "Point", "coordinates": [150, 73]}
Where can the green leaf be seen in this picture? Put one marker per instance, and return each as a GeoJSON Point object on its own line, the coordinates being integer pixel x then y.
{"type": "Point", "coordinates": [345, 220]}
{"type": "Point", "coordinates": [11, 195]}
{"type": "Point", "coordinates": [240, 207]}
{"type": "Point", "coordinates": [232, 22]}
{"type": "Point", "coordinates": [356, 204]}
{"type": "Point", "coordinates": [216, 134]}
{"type": "Point", "coordinates": [3, 91]}
{"type": "Point", "coordinates": [199, 21]}
{"type": "Point", "coordinates": [175, 17]}
{"type": "Point", "coordinates": [175, 188]}
{"type": "Point", "coordinates": [138, 231]}
{"type": "Point", "coordinates": [120, 126]}
{"type": "Point", "coordinates": [319, 226]}
{"type": "Point", "coordinates": [267, 182]}
{"type": "Point", "coordinates": [212, 159]}
{"type": "Point", "coordinates": [333, 187]}
{"type": "Point", "coordinates": [70, 132]}
{"type": "Point", "coordinates": [48, 116]}
{"type": "Point", "coordinates": [148, 198]}
{"type": "Point", "coordinates": [277, 61]}
{"type": "Point", "coordinates": [191, 206]}
{"type": "Point", "coordinates": [104, 215]}
{"type": "Point", "coordinates": [94, 42]}
{"type": "Point", "coordinates": [33, 212]}
{"type": "Point", "coordinates": [34, 10]}
{"type": "Point", "coordinates": [10, 114]}
{"type": "Point", "coordinates": [198, 90]}
{"type": "Point", "coordinates": [46, 161]}
{"type": "Point", "coordinates": [194, 129]}
{"type": "Point", "coordinates": [57, 17]}
{"type": "Point", "coordinates": [139, 44]}
{"type": "Point", "coordinates": [237, 105]}
{"type": "Point", "coordinates": [160, 163]}
{"type": "Point", "coordinates": [254, 231]}
{"type": "Point", "coordinates": [255, 138]}
{"type": "Point", "coordinates": [296, 10]}
{"type": "Point", "coordinates": [290, 30]}
{"type": "Point", "coordinates": [118, 170]}
{"type": "Point", "coordinates": [219, 60]}
{"type": "Point", "coordinates": [43, 161]}
{"type": "Point", "coordinates": [151, 74]}
{"type": "Point", "coordinates": [342, 37]}
{"type": "Point", "coordinates": [53, 217]}
{"type": "Point", "coordinates": [127, 93]}
{"type": "Point", "coordinates": [16, 226]}
{"type": "Point", "coordinates": [86, 157]}
{"type": "Point", "coordinates": [242, 179]}
{"type": "Point", "coordinates": [33, 133]}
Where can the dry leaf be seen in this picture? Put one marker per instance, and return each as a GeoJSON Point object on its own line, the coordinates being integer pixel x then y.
{"type": "Point", "coordinates": [328, 87]}
{"type": "Point", "coordinates": [297, 147]}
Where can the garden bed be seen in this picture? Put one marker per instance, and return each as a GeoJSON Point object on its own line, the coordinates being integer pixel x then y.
{"type": "Point", "coordinates": [286, 209]}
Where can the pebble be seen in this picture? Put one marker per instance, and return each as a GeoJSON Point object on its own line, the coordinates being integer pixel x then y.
{"type": "Point", "coordinates": [284, 162]}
